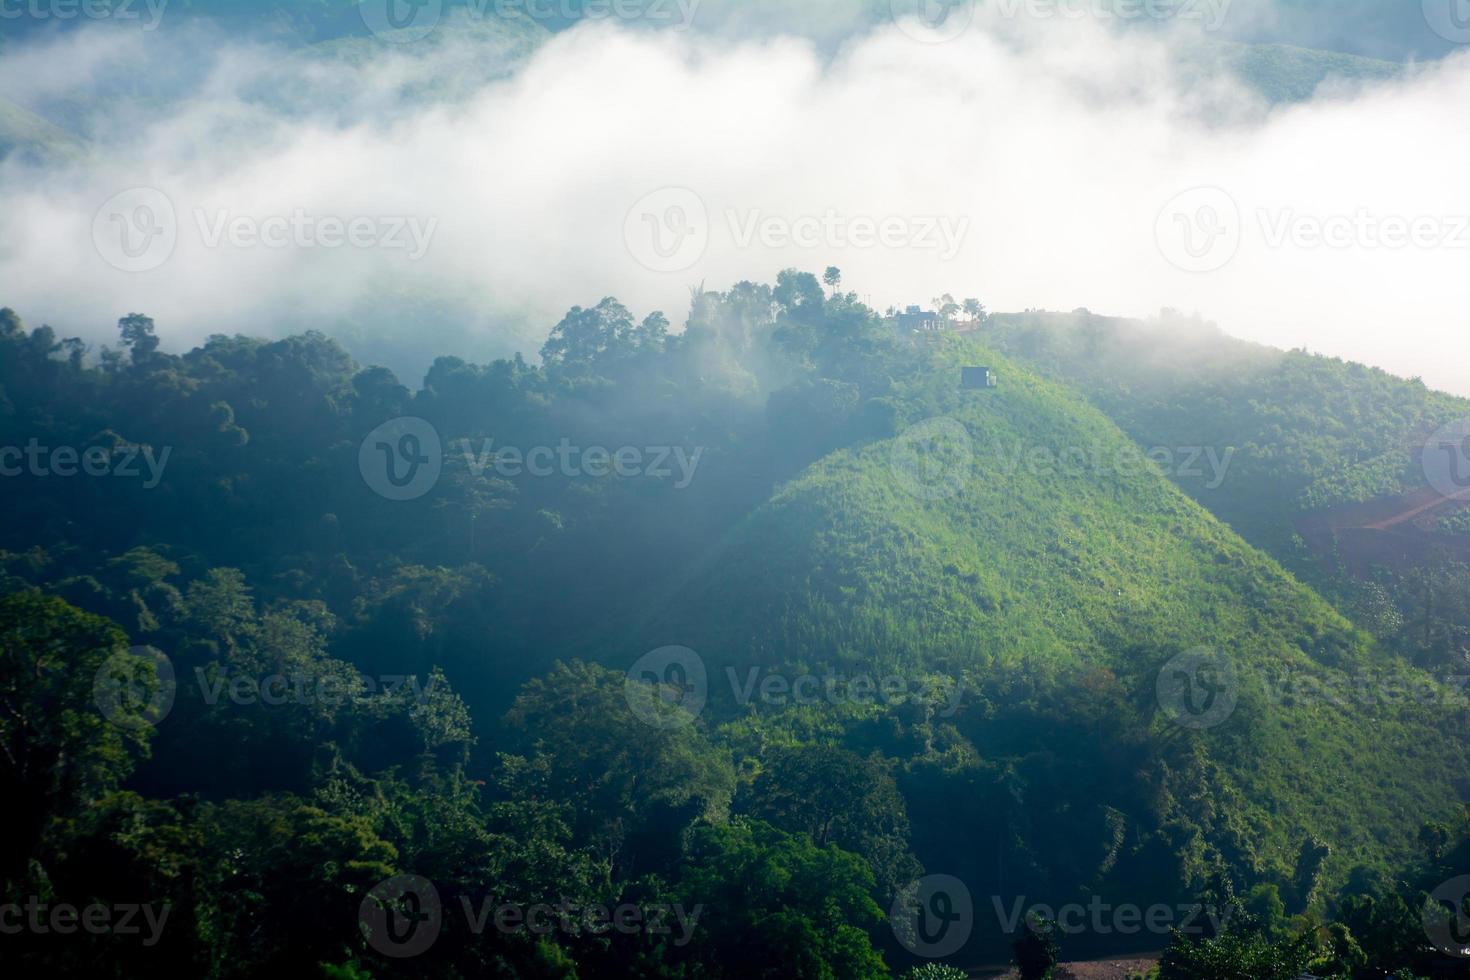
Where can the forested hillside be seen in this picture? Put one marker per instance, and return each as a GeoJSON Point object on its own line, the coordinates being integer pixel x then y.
{"type": "Point", "coordinates": [1307, 437]}
{"type": "Point", "coordinates": [749, 624]}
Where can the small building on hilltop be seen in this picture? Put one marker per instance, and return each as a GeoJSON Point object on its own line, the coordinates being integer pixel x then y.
{"type": "Point", "coordinates": [977, 378]}
{"type": "Point", "coordinates": [916, 320]}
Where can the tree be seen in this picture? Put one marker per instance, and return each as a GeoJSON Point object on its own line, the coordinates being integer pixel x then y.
{"type": "Point", "coordinates": [974, 309]}
{"type": "Point", "coordinates": [630, 788]}
{"type": "Point", "coordinates": [58, 751]}
{"type": "Point", "coordinates": [838, 797]}
{"type": "Point", "coordinates": [138, 337]}
{"type": "Point", "coordinates": [1236, 957]}
{"type": "Point", "coordinates": [832, 277]}
{"type": "Point", "coordinates": [789, 908]}
{"type": "Point", "coordinates": [587, 338]}
{"type": "Point", "coordinates": [1037, 951]}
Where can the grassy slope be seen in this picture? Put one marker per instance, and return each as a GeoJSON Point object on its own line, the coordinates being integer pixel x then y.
{"type": "Point", "coordinates": [1309, 431]}
{"type": "Point", "coordinates": [1069, 573]}
{"type": "Point", "coordinates": [1283, 73]}
{"type": "Point", "coordinates": [28, 134]}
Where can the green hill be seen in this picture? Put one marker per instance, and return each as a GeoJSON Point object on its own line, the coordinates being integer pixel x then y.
{"type": "Point", "coordinates": [1283, 73]}
{"type": "Point", "coordinates": [1307, 432]}
{"type": "Point", "coordinates": [1058, 593]}
{"type": "Point", "coordinates": [28, 135]}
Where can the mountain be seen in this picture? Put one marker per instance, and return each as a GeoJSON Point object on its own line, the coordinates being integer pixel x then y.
{"type": "Point", "coordinates": [30, 137]}
{"type": "Point", "coordinates": [1283, 73]}
{"type": "Point", "coordinates": [1308, 434]}
{"type": "Point", "coordinates": [1057, 589]}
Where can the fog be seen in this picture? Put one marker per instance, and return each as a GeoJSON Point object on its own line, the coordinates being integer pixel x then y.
{"type": "Point", "coordinates": [458, 194]}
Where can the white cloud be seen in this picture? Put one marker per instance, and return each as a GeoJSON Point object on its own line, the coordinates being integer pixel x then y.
{"type": "Point", "coordinates": [1056, 144]}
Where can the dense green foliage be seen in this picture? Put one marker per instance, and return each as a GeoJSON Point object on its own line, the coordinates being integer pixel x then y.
{"type": "Point", "coordinates": [1303, 435]}
{"type": "Point", "coordinates": [817, 525]}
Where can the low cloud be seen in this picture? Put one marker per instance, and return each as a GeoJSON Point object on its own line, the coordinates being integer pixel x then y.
{"type": "Point", "coordinates": [1048, 163]}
